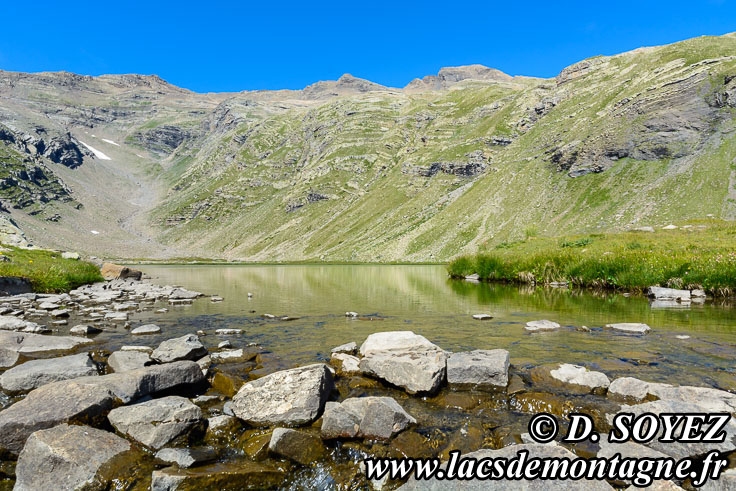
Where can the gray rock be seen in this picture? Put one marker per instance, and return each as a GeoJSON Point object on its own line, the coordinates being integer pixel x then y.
{"type": "Point", "coordinates": [479, 367]}
{"type": "Point", "coordinates": [70, 255]}
{"type": "Point", "coordinates": [228, 332]}
{"type": "Point", "coordinates": [417, 369]}
{"type": "Point", "coordinates": [50, 405]}
{"type": "Point", "coordinates": [12, 323]}
{"type": "Point", "coordinates": [535, 450]}
{"type": "Point", "coordinates": [288, 397]}
{"type": "Point", "coordinates": [124, 361]}
{"type": "Point", "coordinates": [166, 479]}
{"type": "Point", "coordinates": [186, 457]}
{"type": "Point", "coordinates": [681, 449]}
{"type": "Point", "coordinates": [84, 330]}
{"type": "Point", "coordinates": [482, 317]}
{"type": "Point", "coordinates": [230, 355]}
{"type": "Point", "coordinates": [68, 457]}
{"type": "Point", "coordinates": [627, 450]}
{"type": "Point", "coordinates": [631, 389]}
{"type": "Point", "coordinates": [346, 364]}
{"type": "Point", "coordinates": [59, 313]}
{"type": "Point", "coordinates": [542, 325]}
{"type": "Point", "coordinates": [629, 327]}
{"type": "Point", "coordinates": [298, 446]}
{"type": "Point", "coordinates": [182, 294]}
{"type": "Point", "coordinates": [35, 373]}
{"type": "Point", "coordinates": [579, 377]}
{"type": "Point", "coordinates": [349, 348]}
{"type": "Point", "coordinates": [157, 422]}
{"type": "Point", "coordinates": [116, 316]}
{"type": "Point", "coordinates": [394, 340]}
{"type": "Point", "coordinates": [365, 417]}
{"type": "Point", "coordinates": [187, 347]}
{"type": "Point", "coordinates": [8, 358]}
{"type": "Point", "coordinates": [659, 293]}
{"type": "Point", "coordinates": [142, 349]}
{"type": "Point", "coordinates": [87, 400]}
{"type": "Point", "coordinates": [146, 329]}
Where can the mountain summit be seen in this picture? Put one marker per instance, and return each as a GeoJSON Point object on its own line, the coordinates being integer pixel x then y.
{"type": "Point", "coordinates": [350, 170]}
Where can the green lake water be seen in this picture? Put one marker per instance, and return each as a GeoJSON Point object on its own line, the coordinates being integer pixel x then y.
{"type": "Point", "coordinates": [424, 300]}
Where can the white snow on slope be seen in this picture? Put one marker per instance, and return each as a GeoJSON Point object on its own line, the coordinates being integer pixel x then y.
{"type": "Point", "coordinates": [110, 142]}
{"type": "Point", "coordinates": [97, 153]}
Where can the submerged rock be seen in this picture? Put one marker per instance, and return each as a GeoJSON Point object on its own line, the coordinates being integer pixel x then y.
{"type": "Point", "coordinates": [480, 367]}
{"type": "Point", "coordinates": [187, 457]}
{"type": "Point", "coordinates": [240, 475]}
{"type": "Point", "coordinates": [365, 417]}
{"type": "Point", "coordinates": [573, 378]}
{"type": "Point", "coordinates": [35, 373]}
{"type": "Point", "coordinates": [298, 446]}
{"type": "Point", "coordinates": [68, 457]}
{"type": "Point", "coordinates": [155, 423]}
{"type": "Point", "coordinates": [187, 347]}
{"type": "Point", "coordinates": [288, 397]}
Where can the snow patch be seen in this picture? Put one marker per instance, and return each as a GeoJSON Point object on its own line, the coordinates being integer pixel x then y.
{"type": "Point", "coordinates": [97, 153]}
{"type": "Point", "coordinates": [110, 142]}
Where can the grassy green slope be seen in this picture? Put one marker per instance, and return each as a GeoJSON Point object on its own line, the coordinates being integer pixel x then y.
{"type": "Point", "coordinates": [343, 180]}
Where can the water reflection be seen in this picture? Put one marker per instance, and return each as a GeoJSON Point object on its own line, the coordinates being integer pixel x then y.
{"type": "Point", "coordinates": [423, 299]}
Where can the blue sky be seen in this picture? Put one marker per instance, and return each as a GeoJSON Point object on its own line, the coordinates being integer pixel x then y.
{"type": "Point", "coordinates": [216, 46]}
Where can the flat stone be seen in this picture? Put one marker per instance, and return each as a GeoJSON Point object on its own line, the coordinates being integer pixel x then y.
{"type": "Point", "coordinates": [59, 313]}
{"type": "Point", "coordinates": [573, 378]}
{"type": "Point", "coordinates": [12, 323]}
{"type": "Point", "coordinates": [298, 446]}
{"type": "Point", "coordinates": [124, 361]}
{"type": "Point", "coordinates": [49, 306]}
{"type": "Point", "coordinates": [365, 417]}
{"type": "Point", "coordinates": [35, 373]}
{"type": "Point", "coordinates": [116, 316]}
{"type": "Point", "coordinates": [349, 348]}
{"type": "Point", "coordinates": [225, 344]}
{"type": "Point", "coordinates": [187, 347]}
{"type": "Point", "coordinates": [482, 317]}
{"type": "Point", "coordinates": [231, 355]}
{"type": "Point", "coordinates": [8, 358]}
{"type": "Point", "coordinates": [659, 293]}
{"type": "Point", "coordinates": [68, 457]}
{"type": "Point", "coordinates": [417, 369]}
{"type": "Point", "coordinates": [541, 325]}
{"type": "Point", "coordinates": [479, 367]}
{"type": "Point", "coordinates": [628, 449]}
{"type": "Point", "coordinates": [681, 449]}
{"type": "Point", "coordinates": [142, 349]}
{"type": "Point", "coordinates": [228, 332]}
{"type": "Point", "coordinates": [288, 397]}
{"type": "Point", "coordinates": [84, 330]}
{"type": "Point", "coordinates": [146, 329]}
{"type": "Point", "coordinates": [381, 341]}
{"type": "Point", "coordinates": [157, 422]}
{"type": "Point", "coordinates": [187, 457]}
{"type": "Point", "coordinates": [630, 389]}
{"type": "Point", "coordinates": [346, 364]}
{"type": "Point", "coordinates": [629, 327]}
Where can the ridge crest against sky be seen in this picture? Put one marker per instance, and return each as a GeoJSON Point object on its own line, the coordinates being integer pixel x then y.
{"type": "Point", "coordinates": [226, 47]}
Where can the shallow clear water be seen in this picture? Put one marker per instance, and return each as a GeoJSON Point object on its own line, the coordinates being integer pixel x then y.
{"type": "Point", "coordinates": [424, 300]}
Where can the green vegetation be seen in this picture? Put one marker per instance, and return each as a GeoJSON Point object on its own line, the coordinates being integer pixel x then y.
{"type": "Point", "coordinates": [47, 271]}
{"type": "Point", "coordinates": [700, 254]}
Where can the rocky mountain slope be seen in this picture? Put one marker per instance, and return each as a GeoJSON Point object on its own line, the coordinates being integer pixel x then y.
{"type": "Point", "coordinates": [131, 166]}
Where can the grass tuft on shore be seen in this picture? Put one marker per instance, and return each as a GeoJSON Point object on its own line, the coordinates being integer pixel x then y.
{"type": "Point", "coordinates": [47, 271]}
{"type": "Point", "coordinates": [699, 254]}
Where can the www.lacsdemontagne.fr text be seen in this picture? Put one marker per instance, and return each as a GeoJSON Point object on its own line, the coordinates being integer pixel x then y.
{"type": "Point", "coordinates": [638, 471]}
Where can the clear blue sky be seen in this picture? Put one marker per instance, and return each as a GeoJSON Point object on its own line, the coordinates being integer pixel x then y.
{"type": "Point", "coordinates": [230, 46]}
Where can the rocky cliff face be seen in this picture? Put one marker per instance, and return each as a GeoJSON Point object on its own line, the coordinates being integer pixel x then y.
{"type": "Point", "coordinates": [352, 170]}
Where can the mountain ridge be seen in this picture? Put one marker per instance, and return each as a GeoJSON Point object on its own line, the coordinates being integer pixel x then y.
{"type": "Point", "coordinates": [353, 170]}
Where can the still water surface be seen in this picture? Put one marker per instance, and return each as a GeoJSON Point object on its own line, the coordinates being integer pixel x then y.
{"type": "Point", "coordinates": [422, 299]}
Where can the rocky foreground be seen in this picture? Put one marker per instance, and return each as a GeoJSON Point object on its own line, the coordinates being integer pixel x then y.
{"type": "Point", "coordinates": [180, 416]}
